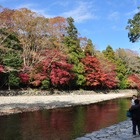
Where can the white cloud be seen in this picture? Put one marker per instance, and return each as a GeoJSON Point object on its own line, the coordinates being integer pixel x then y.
{"type": "Point", "coordinates": [33, 7]}
{"type": "Point", "coordinates": [83, 10]}
{"type": "Point", "coordinates": [114, 16]}
{"type": "Point", "coordinates": [81, 13]}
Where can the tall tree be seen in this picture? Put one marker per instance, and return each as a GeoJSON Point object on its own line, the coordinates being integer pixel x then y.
{"type": "Point", "coordinates": [31, 30]}
{"type": "Point", "coordinates": [75, 52]}
{"type": "Point", "coordinates": [9, 48]}
{"type": "Point", "coordinates": [134, 27]}
{"type": "Point", "coordinates": [120, 67]}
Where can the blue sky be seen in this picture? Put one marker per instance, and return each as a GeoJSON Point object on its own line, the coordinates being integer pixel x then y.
{"type": "Point", "coordinates": [102, 21]}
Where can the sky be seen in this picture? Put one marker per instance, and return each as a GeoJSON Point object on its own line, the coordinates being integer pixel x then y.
{"type": "Point", "coordinates": [102, 21]}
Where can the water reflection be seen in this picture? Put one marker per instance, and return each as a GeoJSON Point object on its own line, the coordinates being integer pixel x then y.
{"type": "Point", "coordinates": [63, 123]}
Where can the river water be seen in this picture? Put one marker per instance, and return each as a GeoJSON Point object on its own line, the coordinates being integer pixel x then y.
{"type": "Point", "coordinates": [63, 123]}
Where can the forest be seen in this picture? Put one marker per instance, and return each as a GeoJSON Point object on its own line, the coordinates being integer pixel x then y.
{"type": "Point", "coordinates": [49, 53]}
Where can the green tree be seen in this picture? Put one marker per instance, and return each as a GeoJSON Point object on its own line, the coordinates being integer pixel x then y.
{"type": "Point", "coordinates": [10, 57]}
{"type": "Point", "coordinates": [109, 53]}
{"type": "Point", "coordinates": [75, 53]}
{"type": "Point", "coordinates": [121, 74]}
{"type": "Point", "coordinates": [134, 27]}
{"type": "Point", "coordinates": [13, 79]}
{"type": "Point", "coordinates": [120, 67]}
{"type": "Point", "coordinates": [9, 40]}
{"type": "Point", "coordinates": [12, 63]}
{"type": "Point", "coordinates": [45, 84]}
{"type": "Point", "coordinates": [89, 48]}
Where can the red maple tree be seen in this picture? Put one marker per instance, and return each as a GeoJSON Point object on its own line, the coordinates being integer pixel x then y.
{"type": "Point", "coordinates": [109, 75]}
{"type": "Point", "coordinates": [53, 67]}
{"type": "Point", "coordinates": [24, 77]}
{"type": "Point", "coordinates": [61, 73]}
{"type": "Point", "coordinates": [93, 72]}
{"type": "Point", "coordinates": [97, 73]}
{"type": "Point", "coordinates": [134, 81]}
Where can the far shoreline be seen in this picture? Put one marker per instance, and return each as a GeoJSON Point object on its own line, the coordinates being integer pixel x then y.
{"type": "Point", "coordinates": [33, 102]}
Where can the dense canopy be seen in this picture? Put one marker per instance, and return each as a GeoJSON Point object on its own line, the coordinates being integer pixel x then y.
{"type": "Point", "coordinates": [46, 53]}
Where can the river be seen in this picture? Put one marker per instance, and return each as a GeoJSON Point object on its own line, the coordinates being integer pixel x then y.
{"type": "Point", "coordinates": [63, 123]}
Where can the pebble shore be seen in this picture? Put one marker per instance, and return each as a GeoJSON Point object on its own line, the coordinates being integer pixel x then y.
{"type": "Point", "coordinates": [19, 104]}
{"type": "Point", "coordinates": [119, 131]}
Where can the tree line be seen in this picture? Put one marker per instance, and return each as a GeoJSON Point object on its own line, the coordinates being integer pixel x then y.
{"type": "Point", "coordinates": [45, 53]}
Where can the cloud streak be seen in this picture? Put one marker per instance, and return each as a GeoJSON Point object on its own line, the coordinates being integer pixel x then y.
{"type": "Point", "coordinates": [33, 7]}
{"type": "Point", "coordinates": [82, 12]}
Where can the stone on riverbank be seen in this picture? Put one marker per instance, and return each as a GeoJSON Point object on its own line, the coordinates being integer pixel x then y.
{"type": "Point", "coordinates": [120, 131]}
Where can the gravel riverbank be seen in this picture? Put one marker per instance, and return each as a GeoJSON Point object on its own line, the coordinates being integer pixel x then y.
{"type": "Point", "coordinates": [18, 104]}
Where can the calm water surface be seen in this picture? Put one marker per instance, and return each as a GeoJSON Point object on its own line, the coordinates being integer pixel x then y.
{"type": "Point", "coordinates": [63, 123]}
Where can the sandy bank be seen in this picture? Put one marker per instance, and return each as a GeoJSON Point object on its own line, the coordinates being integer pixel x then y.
{"type": "Point", "coordinates": [18, 104]}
